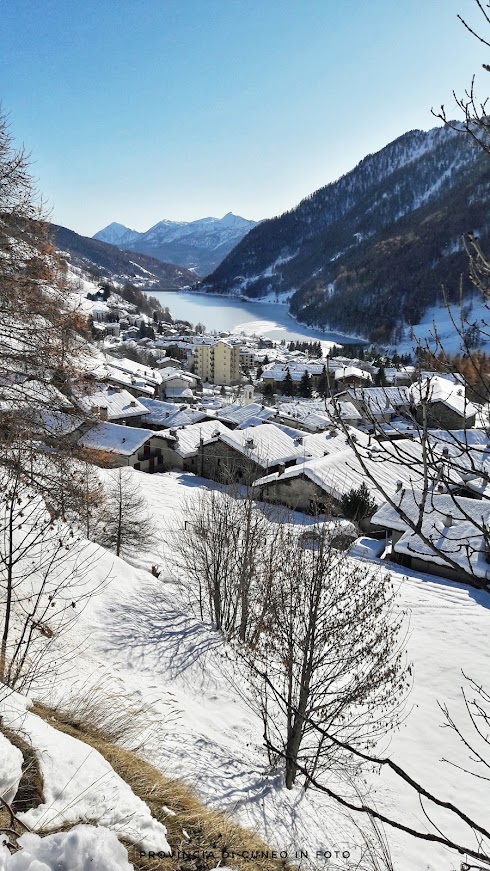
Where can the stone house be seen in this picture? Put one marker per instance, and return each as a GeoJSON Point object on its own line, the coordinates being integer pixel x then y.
{"type": "Point", "coordinates": [109, 444]}
{"type": "Point", "coordinates": [442, 403]}
{"type": "Point", "coordinates": [453, 527]}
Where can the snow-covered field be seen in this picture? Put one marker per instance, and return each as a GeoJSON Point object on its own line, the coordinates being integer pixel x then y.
{"type": "Point", "coordinates": [137, 641]}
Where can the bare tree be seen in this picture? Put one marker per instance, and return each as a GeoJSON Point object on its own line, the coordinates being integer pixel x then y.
{"type": "Point", "coordinates": [43, 562]}
{"type": "Point", "coordinates": [311, 627]}
{"type": "Point", "coordinates": [457, 830]}
{"type": "Point", "coordinates": [474, 119]}
{"type": "Point", "coordinates": [41, 337]}
{"type": "Point", "coordinates": [126, 522]}
{"type": "Point", "coordinates": [44, 577]}
{"type": "Point", "coordinates": [331, 653]}
{"type": "Point", "coordinates": [227, 548]}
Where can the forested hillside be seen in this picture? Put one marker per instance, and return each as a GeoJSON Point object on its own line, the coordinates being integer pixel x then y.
{"type": "Point", "coordinates": [369, 252]}
{"type": "Point", "coordinates": [108, 261]}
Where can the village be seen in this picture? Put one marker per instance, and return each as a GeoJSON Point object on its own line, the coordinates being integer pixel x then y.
{"type": "Point", "coordinates": [244, 437]}
{"type": "Point", "coordinates": [375, 445]}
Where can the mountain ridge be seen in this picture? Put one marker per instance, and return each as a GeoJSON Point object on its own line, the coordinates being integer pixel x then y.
{"type": "Point", "coordinates": [199, 245]}
{"type": "Point", "coordinates": [114, 263]}
{"type": "Point", "coordinates": [314, 250]}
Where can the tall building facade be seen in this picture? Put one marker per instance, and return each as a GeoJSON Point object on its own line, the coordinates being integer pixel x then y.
{"type": "Point", "coordinates": [218, 363]}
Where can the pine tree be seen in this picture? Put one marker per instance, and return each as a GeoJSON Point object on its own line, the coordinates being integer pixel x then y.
{"type": "Point", "coordinates": [323, 383]}
{"type": "Point", "coordinates": [288, 386]}
{"type": "Point", "coordinates": [305, 388]}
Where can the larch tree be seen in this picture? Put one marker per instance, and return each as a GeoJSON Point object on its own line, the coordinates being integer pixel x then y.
{"type": "Point", "coordinates": [125, 524]}
{"type": "Point", "coordinates": [43, 563]}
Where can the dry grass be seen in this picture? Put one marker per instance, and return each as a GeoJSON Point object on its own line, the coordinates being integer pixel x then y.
{"type": "Point", "coordinates": [30, 792]}
{"type": "Point", "coordinates": [209, 833]}
{"type": "Point", "coordinates": [113, 715]}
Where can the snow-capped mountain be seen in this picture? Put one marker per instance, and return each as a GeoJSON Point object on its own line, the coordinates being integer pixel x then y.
{"type": "Point", "coordinates": [199, 245]}
{"type": "Point", "coordinates": [116, 234]}
{"type": "Point", "coordinates": [369, 253]}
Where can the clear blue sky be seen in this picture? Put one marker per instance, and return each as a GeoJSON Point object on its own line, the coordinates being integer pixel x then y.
{"type": "Point", "coordinates": [138, 110]}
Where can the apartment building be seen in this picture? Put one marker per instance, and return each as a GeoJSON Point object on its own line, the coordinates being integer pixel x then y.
{"type": "Point", "coordinates": [217, 363]}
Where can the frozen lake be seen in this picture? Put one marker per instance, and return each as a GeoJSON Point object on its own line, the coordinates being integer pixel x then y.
{"type": "Point", "coordinates": [270, 320]}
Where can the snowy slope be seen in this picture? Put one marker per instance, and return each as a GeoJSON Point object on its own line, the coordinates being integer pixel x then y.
{"type": "Point", "coordinates": [448, 322]}
{"type": "Point", "coordinates": [145, 645]}
{"type": "Point", "coordinates": [78, 783]}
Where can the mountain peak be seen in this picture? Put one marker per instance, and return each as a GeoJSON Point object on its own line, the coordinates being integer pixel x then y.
{"type": "Point", "coordinates": [199, 245]}
{"type": "Point", "coordinates": [115, 234]}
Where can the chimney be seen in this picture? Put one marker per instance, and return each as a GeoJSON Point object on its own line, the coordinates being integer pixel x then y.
{"type": "Point", "coordinates": [249, 443]}
{"type": "Point", "coordinates": [94, 409]}
{"type": "Point", "coordinates": [132, 404]}
{"type": "Point", "coordinates": [398, 486]}
{"type": "Point", "coordinates": [445, 451]}
{"type": "Point", "coordinates": [104, 412]}
{"type": "Point", "coordinates": [448, 520]}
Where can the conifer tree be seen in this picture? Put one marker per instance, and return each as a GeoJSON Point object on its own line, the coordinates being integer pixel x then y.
{"type": "Point", "coordinates": [305, 388]}
{"type": "Point", "coordinates": [288, 386]}
{"type": "Point", "coordinates": [323, 384]}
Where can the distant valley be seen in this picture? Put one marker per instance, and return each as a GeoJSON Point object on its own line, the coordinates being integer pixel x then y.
{"type": "Point", "coordinates": [366, 255]}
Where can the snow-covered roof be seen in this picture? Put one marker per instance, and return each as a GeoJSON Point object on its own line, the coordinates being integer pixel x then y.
{"type": "Point", "coordinates": [119, 403]}
{"type": "Point", "coordinates": [125, 379]}
{"type": "Point", "coordinates": [278, 371]}
{"type": "Point", "coordinates": [342, 471]}
{"type": "Point", "coordinates": [449, 393]}
{"type": "Point", "coordinates": [381, 399]}
{"type": "Point", "coordinates": [179, 393]}
{"type": "Point", "coordinates": [453, 524]}
{"type": "Point", "coordinates": [57, 423]}
{"type": "Point", "coordinates": [189, 437]}
{"type": "Point", "coordinates": [316, 414]}
{"type": "Point", "coordinates": [135, 369]}
{"type": "Point", "coordinates": [332, 441]}
{"type": "Point", "coordinates": [171, 372]}
{"type": "Point", "coordinates": [265, 444]}
{"type": "Point", "coordinates": [351, 372]}
{"type": "Point", "coordinates": [471, 438]}
{"type": "Point", "coordinates": [156, 411]}
{"type": "Point", "coordinates": [239, 414]}
{"type": "Point", "coordinates": [33, 393]}
{"type": "Point", "coordinates": [115, 439]}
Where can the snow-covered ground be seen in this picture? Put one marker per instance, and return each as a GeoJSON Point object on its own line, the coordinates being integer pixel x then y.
{"type": "Point", "coordinates": [83, 848]}
{"type": "Point", "coordinates": [446, 320]}
{"type": "Point", "coordinates": [78, 783]}
{"type": "Point", "coordinates": [202, 727]}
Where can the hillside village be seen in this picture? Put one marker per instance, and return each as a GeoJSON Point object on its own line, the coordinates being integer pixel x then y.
{"type": "Point", "coordinates": [297, 429]}
{"type": "Point", "coordinates": [245, 583]}
{"type": "Point", "coordinates": [390, 458]}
